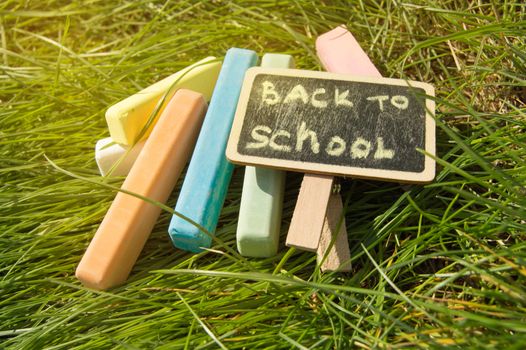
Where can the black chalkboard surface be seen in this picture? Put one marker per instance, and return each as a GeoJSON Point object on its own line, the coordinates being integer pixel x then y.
{"type": "Point", "coordinates": [335, 124]}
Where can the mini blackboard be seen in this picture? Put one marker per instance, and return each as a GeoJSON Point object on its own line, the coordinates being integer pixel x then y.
{"type": "Point", "coordinates": [337, 124]}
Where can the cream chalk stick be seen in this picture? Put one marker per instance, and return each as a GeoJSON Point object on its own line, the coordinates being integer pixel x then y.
{"type": "Point", "coordinates": [115, 157]}
{"type": "Point", "coordinates": [261, 205]}
{"type": "Point", "coordinates": [128, 117]}
{"type": "Point", "coordinates": [130, 220]}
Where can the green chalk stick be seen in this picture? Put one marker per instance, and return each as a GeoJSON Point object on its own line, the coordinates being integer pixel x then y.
{"type": "Point", "coordinates": [259, 221]}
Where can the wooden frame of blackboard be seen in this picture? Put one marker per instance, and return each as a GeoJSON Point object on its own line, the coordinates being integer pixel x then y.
{"type": "Point", "coordinates": [423, 176]}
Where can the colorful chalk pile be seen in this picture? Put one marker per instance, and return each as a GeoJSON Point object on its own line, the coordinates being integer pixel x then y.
{"type": "Point", "coordinates": [250, 121]}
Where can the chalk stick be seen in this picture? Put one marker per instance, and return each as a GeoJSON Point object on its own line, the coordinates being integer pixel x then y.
{"type": "Point", "coordinates": [339, 52]}
{"type": "Point", "coordinates": [261, 205]}
{"type": "Point", "coordinates": [309, 214]}
{"type": "Point", "coordinates": [130, 220]}
{"type": "Point", "coordinates": [208, 176]}
{"type": "Point", "coordinates": [334, 231]}
{"type": "Point", "coordinates": [115, 157]}
{"type": "Point", "coordinates": [127, 118]}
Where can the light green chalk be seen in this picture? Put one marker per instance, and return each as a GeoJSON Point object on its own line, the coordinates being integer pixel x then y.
{"type": "Point", "coordinates": [259, 221]}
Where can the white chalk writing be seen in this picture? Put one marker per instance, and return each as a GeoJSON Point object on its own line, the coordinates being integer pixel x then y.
{"type": "Point", "coordinates": [282, 140]}
{"type": "Point", "coordinates": [320, 97]}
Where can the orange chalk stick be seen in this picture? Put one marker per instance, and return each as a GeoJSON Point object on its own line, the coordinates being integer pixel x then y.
{"type": "Point", "coordinates": [129, 221]}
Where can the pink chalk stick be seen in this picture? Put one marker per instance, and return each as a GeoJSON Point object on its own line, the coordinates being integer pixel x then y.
{"type": "Point", "coordinates": [339, 52]}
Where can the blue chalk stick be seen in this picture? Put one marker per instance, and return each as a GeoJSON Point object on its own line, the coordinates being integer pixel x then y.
{"type": "Point", "coordinates": [209, 173]}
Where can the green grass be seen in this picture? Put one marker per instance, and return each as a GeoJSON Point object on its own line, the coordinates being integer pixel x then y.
{"type": "Point", "coordinates": [440, 265]}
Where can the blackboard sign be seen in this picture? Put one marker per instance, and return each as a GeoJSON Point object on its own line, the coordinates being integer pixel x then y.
{"type": "Point", "coordinates": [335, 124]}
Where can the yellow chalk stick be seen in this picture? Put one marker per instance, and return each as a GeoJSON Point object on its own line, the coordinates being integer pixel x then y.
{"type": "Point", "coordinates": [130, 220]}
{"type": "Point", "coordinates": [128, 117]}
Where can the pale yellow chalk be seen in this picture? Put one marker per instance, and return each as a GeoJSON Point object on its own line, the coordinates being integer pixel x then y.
{"type": "Point", "coordinates": [128, 117]}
